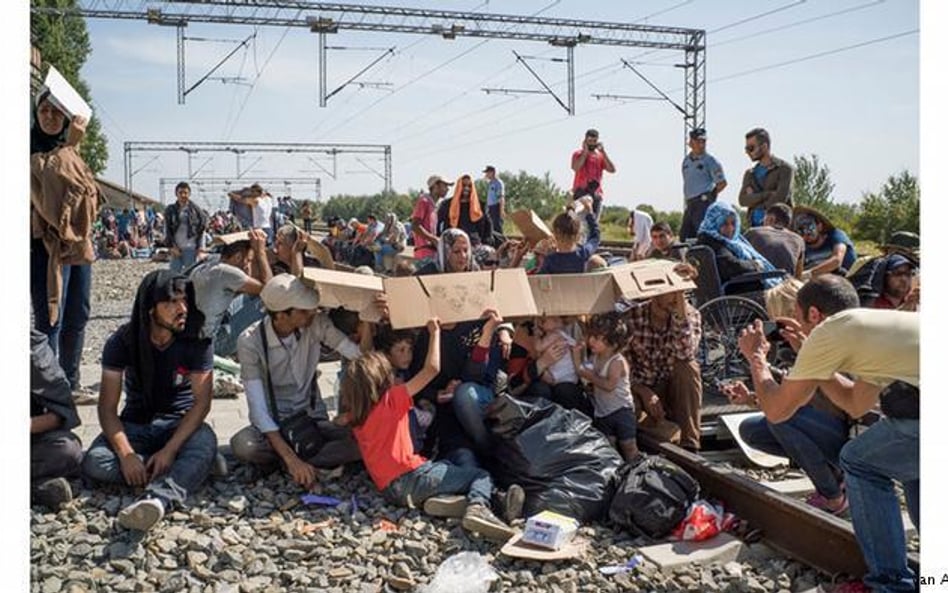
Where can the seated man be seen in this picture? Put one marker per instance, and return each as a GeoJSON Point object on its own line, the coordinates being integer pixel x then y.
{"type": "Point", "coordinates": [664, 333]}
{"type": "Point", "coordinates": [776, 242]}
{"type": "Point", "coordinates": [55, 452]}
{"type": "Point", "coordinates": [828, 249]}
{"type": "Point", "coordinates": [880, 350]}
{"type": "Point", "coordinates": [663, 244]}
{"type": "Point", "coordinates": [221, 277]}
{"type": "Point", "coordinates": [160, 441]}
{"type": "Point", "coordinates": [899, 287]}
{"type": "Point", "coordinates": [278, 358]}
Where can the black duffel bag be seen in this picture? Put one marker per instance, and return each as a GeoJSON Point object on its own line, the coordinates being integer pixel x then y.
{"type": "Point", "coordinates": [653, 497]}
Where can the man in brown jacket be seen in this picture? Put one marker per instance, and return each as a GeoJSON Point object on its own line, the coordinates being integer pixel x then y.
{"type": "Point", "coordinates": [766, 183]}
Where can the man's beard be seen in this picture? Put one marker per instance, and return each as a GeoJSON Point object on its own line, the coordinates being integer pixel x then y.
{"type": "Point", "coordinates": [173, 329]}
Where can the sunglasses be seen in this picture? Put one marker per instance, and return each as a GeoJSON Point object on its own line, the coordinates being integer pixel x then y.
{"type": "Point", "coordinates": [750, 148]}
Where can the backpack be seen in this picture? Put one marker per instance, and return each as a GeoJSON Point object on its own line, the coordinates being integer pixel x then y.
{"type": "Point", "coordinates": [653, 497]}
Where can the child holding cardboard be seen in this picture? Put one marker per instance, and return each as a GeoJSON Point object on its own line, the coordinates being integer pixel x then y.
{"type": "Point", "coordinates": [379, 412]}
{"type": "Point", "coordinates": [568, 257]}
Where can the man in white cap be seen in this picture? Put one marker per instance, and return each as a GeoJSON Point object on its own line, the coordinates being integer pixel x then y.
{"type": "Point", "coordinates": [424, 218]}
{"type": "Point", "coordinates": [278, 358]}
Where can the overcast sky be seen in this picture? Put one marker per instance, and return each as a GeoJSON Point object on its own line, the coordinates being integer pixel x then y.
{"type": "Point", "coordinates": [856, 109]}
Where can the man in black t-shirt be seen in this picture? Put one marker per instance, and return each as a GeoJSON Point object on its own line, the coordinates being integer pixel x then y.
{"type": "Point", "coordinates": [160, 441]}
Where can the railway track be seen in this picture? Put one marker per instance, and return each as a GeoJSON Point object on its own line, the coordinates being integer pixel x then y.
{"type": "Point", "coordinates": [794, 528]}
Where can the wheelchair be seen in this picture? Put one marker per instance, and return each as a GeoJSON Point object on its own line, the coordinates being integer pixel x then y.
{"type": "Point", "coordinates": [726, 308]}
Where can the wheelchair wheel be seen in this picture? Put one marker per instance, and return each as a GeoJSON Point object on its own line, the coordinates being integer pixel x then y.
{"type": "Point", "coordinates": [722, 320]}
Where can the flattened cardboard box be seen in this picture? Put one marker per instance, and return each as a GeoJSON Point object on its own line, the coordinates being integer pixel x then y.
{"type": "Point", "coordinates": [458, 297]}
{"type": "Point", "coordinates": [647, 278]}
{"type": "Point", "coordinates": [574, 294]}
{"type": "Point", "coordinates": [597, 292]}
{"type": "Point", "coordinates": [230, 238]}
{"type": "Point", "coordinates": [530, 225]}
{"type": "Point", "coordinates": [352, 292]}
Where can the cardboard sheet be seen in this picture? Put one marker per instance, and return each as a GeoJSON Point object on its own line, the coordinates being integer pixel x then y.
{"type": "Point", "coordinates": [647, 278]}
{"type": "Point", "coordinates": [574, 294]}
{"type": "Point", "coordinates": [515, 548]}
{"type": "Point", "coordinates": [458, 297]}
{"type": "Point", "coordinates": [352, 292]}
{"type": "Point", "coordinates": [530, 225]}
{"type": "Point", "coordinates": [230, 238]}
{"type": "Point", "coordinates": [64, 96]}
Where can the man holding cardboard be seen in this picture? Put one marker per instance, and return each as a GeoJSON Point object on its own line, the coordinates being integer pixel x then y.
{"type": "Point", "coordinates": [278, 357]}
{"type": "Point", "coordinates": [664, 333]}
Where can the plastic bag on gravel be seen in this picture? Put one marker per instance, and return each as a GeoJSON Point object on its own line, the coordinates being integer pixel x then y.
{"type": "Point", "coordinates": [465, 572]}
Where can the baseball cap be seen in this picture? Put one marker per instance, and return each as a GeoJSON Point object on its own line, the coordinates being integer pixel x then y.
{"type": "Point", "coordinates": [285, 291]}
{"type": "Point", "coordinates": [489, 169]}
{"type": "Point", "coordinates": [698, 134]}
{"type": "Point", "coordinates": [897, 261]}
{"type": "Point", "coordinates": [436, 178]}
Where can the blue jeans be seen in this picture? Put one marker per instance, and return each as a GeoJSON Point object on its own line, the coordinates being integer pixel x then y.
{"type": "Point", "coordinates": [190, 468]}
{"type": "Point", "coordinates": [384, 249]}
{"type": "Point", "coordinates": [887, 451]}
{"type": "Point", "coordinates": [812, 438]}
{"type": "Point", "coordinates": [470, 401]}
{"type": "Point", "coordinates": [67, 336]}
{"type": "Point", "coordinates": [440, 477]}
{"type": "Point", "coordinates": [244, 311]}
{"type": "Point", "coordinates": [184, 261]}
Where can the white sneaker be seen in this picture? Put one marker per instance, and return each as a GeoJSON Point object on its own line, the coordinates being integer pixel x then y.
{"type": "Point", "coordinates": [141, 515]}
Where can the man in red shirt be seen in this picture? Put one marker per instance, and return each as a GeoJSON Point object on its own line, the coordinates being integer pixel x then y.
{"type": "Point", "coordinates": [424, 218]}
{"type": "Point", "coordinates": [588, 163]}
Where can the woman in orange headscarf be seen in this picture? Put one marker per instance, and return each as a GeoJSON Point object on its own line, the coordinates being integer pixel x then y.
{"type": "Point", "coordinates": [464, 211]}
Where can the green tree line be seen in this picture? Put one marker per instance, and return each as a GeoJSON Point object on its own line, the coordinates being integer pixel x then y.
{"type": "Point", "coordinates": [894, 207]}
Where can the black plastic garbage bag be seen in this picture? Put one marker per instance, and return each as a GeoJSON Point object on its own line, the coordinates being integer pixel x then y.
{"type": "Point", "coordinates": [563, 464]}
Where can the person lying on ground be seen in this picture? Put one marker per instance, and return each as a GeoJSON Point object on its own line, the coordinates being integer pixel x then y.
{"type": "Point", "coordinates": [379, 412]}
{"type": "Point", "coordinates": [278, 358]}
{"type": "Point", "coordinates": [161, 441]}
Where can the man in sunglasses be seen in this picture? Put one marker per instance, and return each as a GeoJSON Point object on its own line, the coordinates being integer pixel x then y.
{"type": "Point", "coordinates": [900, 287]}
{"type": "Point", "coordinates": [766, 183]}
{"type": "Point", "coordinates": [703, 180]}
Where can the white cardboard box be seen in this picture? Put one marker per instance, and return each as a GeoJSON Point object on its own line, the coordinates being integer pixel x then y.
{"type": "Point", "coordinates": [550, 530]}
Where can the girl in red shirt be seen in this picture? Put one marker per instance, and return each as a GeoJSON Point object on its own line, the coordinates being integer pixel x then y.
{"type": "Point", "coordinates": [379, 416]}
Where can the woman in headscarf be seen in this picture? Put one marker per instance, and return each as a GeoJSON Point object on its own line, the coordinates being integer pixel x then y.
{"type": "Point", "coordinates": [721, 231]}
{"type": "Point", "coordinates": [63, 207]}
{"type": "Point", "coordinates": [391, 241]}
{"type": "Point", "coordinates": [464, 211]}
{"type": "Point", "coordinates": [455, 254]}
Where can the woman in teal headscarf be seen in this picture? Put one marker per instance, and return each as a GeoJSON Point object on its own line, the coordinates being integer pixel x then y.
{"type": "Point", "coordinates": [721, 231]}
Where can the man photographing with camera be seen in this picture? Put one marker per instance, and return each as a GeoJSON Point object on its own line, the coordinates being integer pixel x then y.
{"type": "Point", "coordinates": [588, 163]}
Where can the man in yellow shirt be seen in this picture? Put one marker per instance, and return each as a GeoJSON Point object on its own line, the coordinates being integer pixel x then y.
{"type": "Point", "coordinates": [880, 350]}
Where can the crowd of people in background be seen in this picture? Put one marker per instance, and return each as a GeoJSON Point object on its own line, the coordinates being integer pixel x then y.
{"type": "Point", "coordinates": [413, 404]}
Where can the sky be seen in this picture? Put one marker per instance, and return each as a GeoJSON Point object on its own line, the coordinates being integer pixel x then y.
{"type": "Point", "coordinates": [858, 109]}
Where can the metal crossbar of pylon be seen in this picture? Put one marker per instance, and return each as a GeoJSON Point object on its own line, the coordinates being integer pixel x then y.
{"type": "Point", "coordinates": [326, 18]}
{"type": "Point", "coordinates": [246, 148]}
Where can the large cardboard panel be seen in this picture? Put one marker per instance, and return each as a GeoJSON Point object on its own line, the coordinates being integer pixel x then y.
{"type": "Point", "coordinates": [64, 96]}
{"type": "Point", "coordinates": [647, 278]}
{"type": "Point", "coordinates": [517, 548]}
{"type": "Point", "coordinates": [457, 297]}
{"type": "Point", "coordinates": [530, 225]}
{"type": "Point", "coordinates": [574, 294]}
{"type": "Point", "coordinates": [353, 292]}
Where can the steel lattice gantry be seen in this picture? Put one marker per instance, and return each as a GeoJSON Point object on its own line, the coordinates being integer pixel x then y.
{"type": "Point", "coordinates": [240, 148]}
{"type": "Point", "coordinates": [323, 18]}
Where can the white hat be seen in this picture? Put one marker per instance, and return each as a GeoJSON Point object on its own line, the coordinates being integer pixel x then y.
{"type": "Point", "coordinates": [285, 291]}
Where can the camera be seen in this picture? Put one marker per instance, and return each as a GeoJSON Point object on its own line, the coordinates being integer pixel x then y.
{"type": "Point", "coordinates": [772, 331]}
